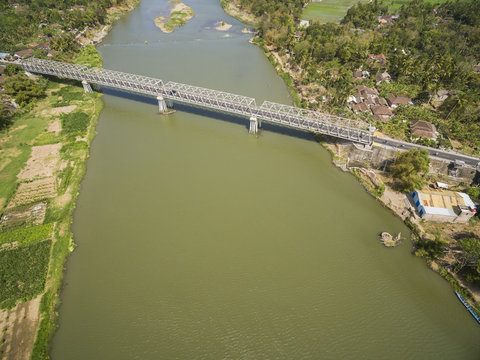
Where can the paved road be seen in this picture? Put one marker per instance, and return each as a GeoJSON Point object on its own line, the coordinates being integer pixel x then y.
{"type": "Point", "coordinates": [435, 153]}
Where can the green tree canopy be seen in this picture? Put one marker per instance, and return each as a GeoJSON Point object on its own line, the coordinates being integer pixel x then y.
{"type": "Point", "coordinates": [471, 252]}
{"type": "Point", "coordinates": [23, 89]}
{"type": "Point", "coordinates": [410, 169]}
{"type": "Point", "coordinates": [12, 69]}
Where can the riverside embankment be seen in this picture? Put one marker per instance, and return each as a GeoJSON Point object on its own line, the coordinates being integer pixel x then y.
{"type": "Point", "coordinates": [197, 240]}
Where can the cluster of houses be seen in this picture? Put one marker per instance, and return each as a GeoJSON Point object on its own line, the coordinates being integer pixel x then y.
{"type": "Point", "coordinates": [367, 99]}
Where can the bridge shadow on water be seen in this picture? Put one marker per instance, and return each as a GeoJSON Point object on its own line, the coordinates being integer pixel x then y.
{"type": "Point", "coordinates": [218, 115]}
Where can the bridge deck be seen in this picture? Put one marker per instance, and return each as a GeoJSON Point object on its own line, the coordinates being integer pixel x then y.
{"type": "Point", "coordinates": [237, 104]}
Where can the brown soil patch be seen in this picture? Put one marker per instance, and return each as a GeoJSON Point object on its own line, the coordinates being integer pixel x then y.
{"type": "Point", "coordinates": [20, 325]}
{"type": "Point", "coordinates": [55, 126]}
{"type": "Point", "coordinates": [63, 200]}
{"type": "Point", "coordinates": [28, 193]}
{"type": "Point", "coordinates": [42, 163]}
{"type": "Point", "coordinates": [59, 110]}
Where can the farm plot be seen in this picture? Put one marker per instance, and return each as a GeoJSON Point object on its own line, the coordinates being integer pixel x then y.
{"type": "Point", "coordinates": [42, 162]}
{"type": "Point", "coordinates": [24, 216]}
{"type": "Point", "coordinates": [23, 271]}
{"type": "Point", "coordinates": [26, 236]}
{"type": "Point", "coordinates": [328, 10]}
{"type": "Point", "coordinates": [34, 191]}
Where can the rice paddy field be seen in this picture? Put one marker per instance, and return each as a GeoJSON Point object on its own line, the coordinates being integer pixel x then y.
{"type": "Point", "coordinates": [327, 11]}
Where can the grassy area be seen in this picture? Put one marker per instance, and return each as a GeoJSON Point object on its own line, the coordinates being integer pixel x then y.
{"type": "Point", "coordinates": [328, 10]}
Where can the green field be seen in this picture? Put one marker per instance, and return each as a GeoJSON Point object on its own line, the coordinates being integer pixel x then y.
{"type": "Point", "coordinates": [328, 10]}
{"type": "Point", "coordinates": [334, 10]}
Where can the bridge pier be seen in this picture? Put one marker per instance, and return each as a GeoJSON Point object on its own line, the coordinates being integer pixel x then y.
{"type": "Point", "coordinates": [162, 105]}
{"type": "Point", "coordinates": [253, 129]}
{"type": "Point", "coordinates": [86, 86]}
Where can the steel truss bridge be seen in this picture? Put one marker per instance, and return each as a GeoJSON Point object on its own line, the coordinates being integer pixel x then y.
{"type": "Point", "coordinates": [279, 114]}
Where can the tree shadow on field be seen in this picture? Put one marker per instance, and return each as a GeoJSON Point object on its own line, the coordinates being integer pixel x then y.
{"type": "Point", "coordinates": [217, 115]}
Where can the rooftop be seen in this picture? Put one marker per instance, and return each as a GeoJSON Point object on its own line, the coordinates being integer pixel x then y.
{"type": "Point", "coordinates": [443, 202]}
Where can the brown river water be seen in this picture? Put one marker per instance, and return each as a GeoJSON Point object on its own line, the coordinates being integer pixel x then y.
{"type": "Point", "coordinates": [197, 240]}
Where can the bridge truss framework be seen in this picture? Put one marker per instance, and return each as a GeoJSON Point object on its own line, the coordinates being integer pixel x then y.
{"type": "Point", "coordinates": [280, 114]}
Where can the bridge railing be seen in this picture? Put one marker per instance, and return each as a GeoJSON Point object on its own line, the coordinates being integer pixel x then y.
{"type": "Point", "coordinates": [118, 79]}
{"type": "Point", "coordinates": [219, 100]}
{"type": "Point", "coordinates": [315, 121]}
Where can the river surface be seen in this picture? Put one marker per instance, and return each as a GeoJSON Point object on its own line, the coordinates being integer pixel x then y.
{"type": "Point", "coordinates": [197, 240]}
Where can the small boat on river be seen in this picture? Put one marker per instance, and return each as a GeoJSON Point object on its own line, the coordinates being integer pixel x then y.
{"type": "Point", "coordinates": [469, 308]}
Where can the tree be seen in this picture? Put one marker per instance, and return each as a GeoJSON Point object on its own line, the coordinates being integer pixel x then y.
{"type": "Point", "coordinates": [12, 69]}
{"type": "Point", "coordinates": [471, 254]}
{"type": "Point", "coordinates": [23, 89]}
{"type": "Point", "coordinates": [5, 116]}
{"type": "Point", "coordinates": [410, 169]}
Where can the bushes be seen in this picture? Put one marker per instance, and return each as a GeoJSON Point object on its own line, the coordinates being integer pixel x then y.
{"type": "Point", "coordinates": [75, 123]}
{"type": "Point", "coordinates": [68, 94]}
{"type": "Point", "coordinates": [430, 249]}
{"type": "Point", "coordinates": [23, 89]}
{"type": "Point", "coordinates": [23, 271]}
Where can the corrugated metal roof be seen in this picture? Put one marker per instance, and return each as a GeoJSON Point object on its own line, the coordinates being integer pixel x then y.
{"type": "Point", "coordinates": [467, 200]}
{"type": "Point", "coordinates": [439, 211]}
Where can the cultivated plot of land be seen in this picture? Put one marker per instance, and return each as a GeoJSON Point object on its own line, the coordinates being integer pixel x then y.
{"type": "Point", "coordinates": [328, 10]}
{"type": "Point", "coordinates": [26, 215]}
{"type": "Point", "coordinates": [18, 327]}
{"type": "Point", "coordinates": [42, 162]}
{"type": "Point", "coordinates": [34, 191]}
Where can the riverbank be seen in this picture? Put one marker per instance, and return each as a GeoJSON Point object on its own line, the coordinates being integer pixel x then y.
{"type": "Point", "coordinates": [43, 161]}
{"type": "Point", "coordinates": [378, 183]}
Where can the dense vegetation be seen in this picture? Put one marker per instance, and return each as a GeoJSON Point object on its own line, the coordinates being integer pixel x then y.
{"type": "Point", "coordinates": [20, 24]}
{"type": "Point", "coordinates": [428, 48]}
{"type": "Point", "coordinates": [277, 19]}
{"type": "Point", "coordinates": [75, 123]}
{"type": "Point", "coordinates": [23, 271]}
